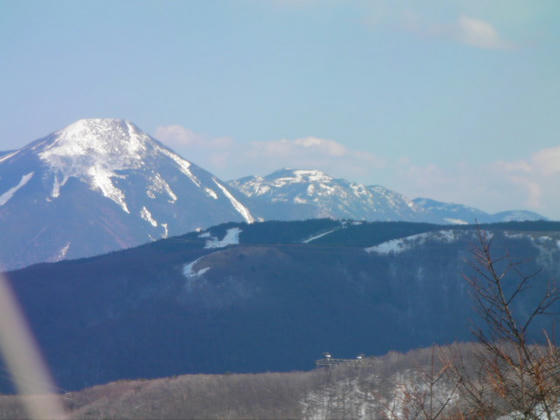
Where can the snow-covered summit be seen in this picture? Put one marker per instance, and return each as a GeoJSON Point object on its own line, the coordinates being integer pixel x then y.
{"type": "Point", "coordinates": [94, 150]}
{"type": "Point", "coordinates": [258, 185]}
{"type": "Point", "coordinates": [100, 150]}
{"type": "Point", "coordinates": [307, 193]}
{"type": "Point", "coordinates": [297, 176]}
{"type": "Point", "coordinates": [108, 175]}
{"type": "Point", "coordinates": [108, 138]}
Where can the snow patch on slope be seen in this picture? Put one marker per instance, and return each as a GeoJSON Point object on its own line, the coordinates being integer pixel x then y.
{"type": "Point", "coordinates": [211, 193]}
{"type": "Point", "coordinates": [101, 180]}
{"type": "Point", "coordinates": [5, 197]}
{"type": "Point", "coordinates": [400, 245]}
{"type": "Point", "coordinates": [547, 245]}
{"type": "Point", "coordinates": [538, 240]}
{"type": "Point", "coordinates": [241, 209]}
{"type": "Point", "coordinates": [8, 156]}
{"type": "Point", "coordinates": [159, 185]}
{"type": "Point", "coordinates": [184, 165]}
{"type": "Point", "coordinates": [57, 184]}
{"type": "Point", "coordinates": [456, 221]}
{"type": "Point", "coordinates": [230, 238]}
{"type": "Point", "coordinates": [189, 272]}
{"type": "Point", "coordinates": [62, 253]}
{"type": "Point", "coordinates": [359, 190]}
{"type": "Point", "coordinates": [147, 216]}
{"type": "Point", "coordinates": [320, 235]}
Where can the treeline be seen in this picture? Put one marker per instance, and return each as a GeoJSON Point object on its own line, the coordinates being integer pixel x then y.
{"type": "Point", "coordinates": [368, 389]}
{"type": "Point", "coordinates": [423, 384]}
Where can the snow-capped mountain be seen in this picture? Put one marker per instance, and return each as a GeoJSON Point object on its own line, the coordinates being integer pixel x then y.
{"type": "Point", "coordinates": [290, 194]}
{"type": "Point", "coordinates": [100, 185]}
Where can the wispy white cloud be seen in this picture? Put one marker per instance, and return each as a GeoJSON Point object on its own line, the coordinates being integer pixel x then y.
{"type": "Point", "coordinates": [478, 33]}
{"type": "Point", "coordinates": [428, 20]}
{"type": "Point", "coordinates": [308, 146]}
{"type": "Point", "coordinates": [226, 156]}
{"type": "Point", "coordinates": [465, 29]}
{"type": "Point", "coordinates": [547, 161]}
{"type": "Point", "coordinates": [539, 176]}
{"type": "Point", "coordinates": [179, 136]}
{"type": "Point", "coordinates": [440, 19]}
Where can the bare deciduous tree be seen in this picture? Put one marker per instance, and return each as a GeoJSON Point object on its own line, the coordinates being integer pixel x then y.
{"type": "Point", "coordinates": [515, 375]}
{"type": "Point", "coordinates": [429, 393]}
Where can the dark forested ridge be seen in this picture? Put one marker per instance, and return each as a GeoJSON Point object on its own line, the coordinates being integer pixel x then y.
{"type": "Point", "coordinates": [275, 301]}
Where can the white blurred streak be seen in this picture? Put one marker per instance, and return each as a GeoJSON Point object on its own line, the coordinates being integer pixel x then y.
{"type": "Point", "coordinates": [24, 361]}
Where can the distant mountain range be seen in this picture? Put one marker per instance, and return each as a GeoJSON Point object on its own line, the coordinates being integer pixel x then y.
{"type": "Point", "coordinates": [267, 296]}
{"type": "Point", "coordinates": [290, 194]}
{"type": "Point", "coordinates": [102, 184]}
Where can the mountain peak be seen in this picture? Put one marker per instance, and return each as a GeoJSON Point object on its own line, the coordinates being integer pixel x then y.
{"type": "Point", "coordinates": [93, 123]}
{"type": "Point", "coordinates": [96, 122]}
{"type": "Point", "coordinates": [102, 151]}
{"type": "Point", "coordinates": [95, 150]}
{"type": "Point", "coordinates": [96, 126]}
{"type": "Point", "coordinates": [97, 136]}
{"type": "Point", "coordinates": [289, 175]}
{"type": "Point", "coordinates": [104, 176]}
{"type": "Point", "coordinates": [312, 193]}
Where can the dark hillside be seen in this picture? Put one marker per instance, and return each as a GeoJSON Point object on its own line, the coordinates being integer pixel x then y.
{"type": "Point", "coordinates": [161, 309]}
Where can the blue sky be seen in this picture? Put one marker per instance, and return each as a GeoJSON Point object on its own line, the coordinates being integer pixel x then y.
{"type": "Point", "coordinates": [456, 100]}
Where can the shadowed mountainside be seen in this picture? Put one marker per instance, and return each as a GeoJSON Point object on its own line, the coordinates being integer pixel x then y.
{"type": "Point", "coordinates": [263, 297]}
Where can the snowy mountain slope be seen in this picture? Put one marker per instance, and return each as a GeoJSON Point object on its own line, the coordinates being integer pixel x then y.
{"type": "Point", "coordinates": [515, 215]}
{"type": "Point", "coordinates": [298, 194]}
{"type": "Point", "coordinates": [5, 152]}
{"type": "Point", "coordinates": [100, 185]}
{"type": "Point", "coordinates": [440, 212]}
{"type": "Point", "coordinates": [290, 194]}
